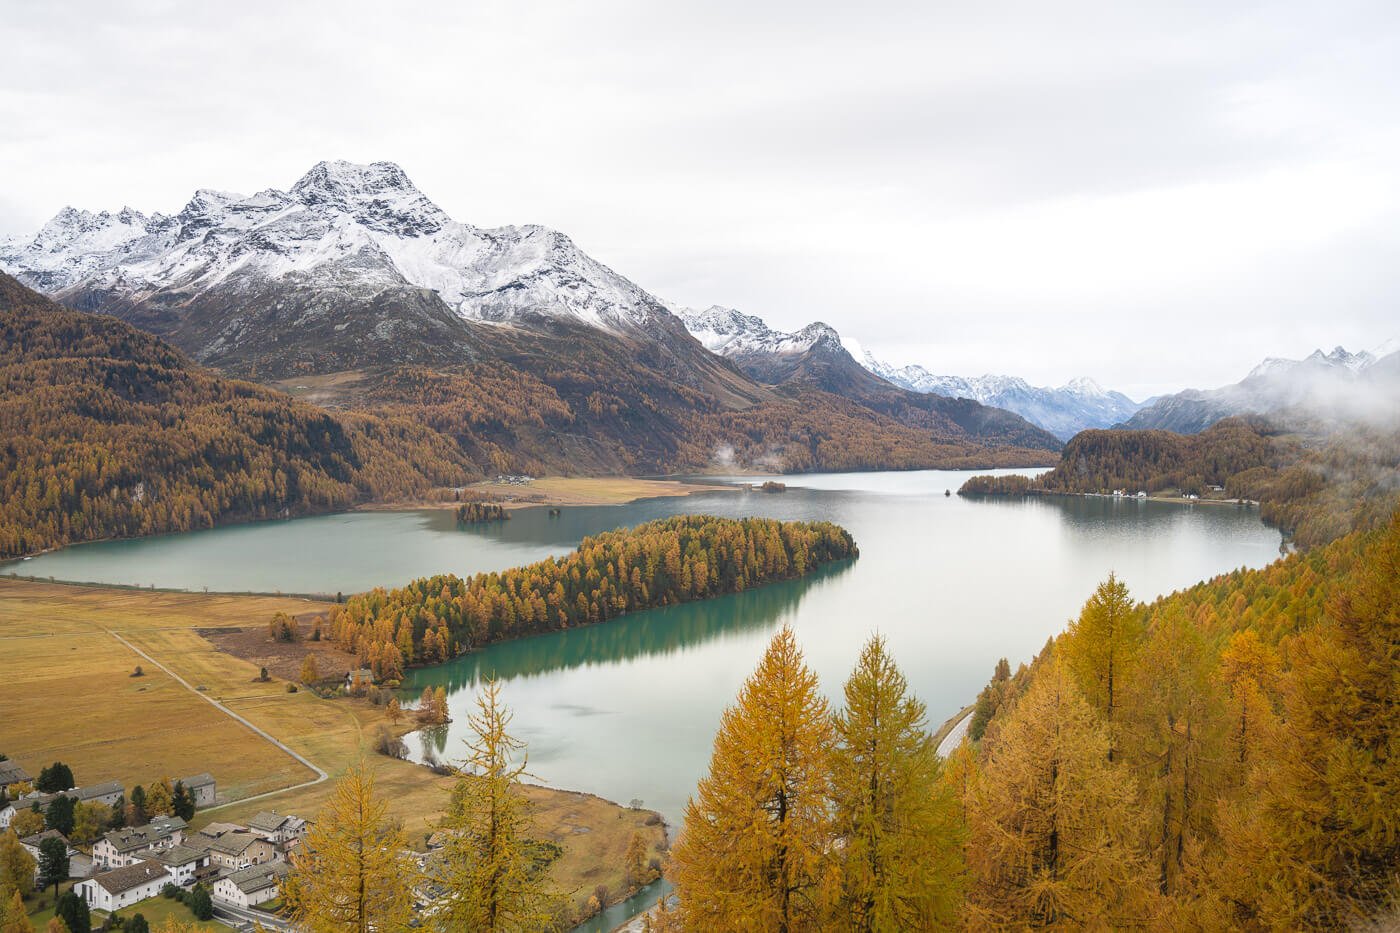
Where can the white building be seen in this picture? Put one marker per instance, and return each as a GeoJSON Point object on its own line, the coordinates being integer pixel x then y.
{"type": "Point", "coordinates": [183, 863]}
{"type": "Point", "coordinates": [122, 887]}
{"type": "Point", "coordinates": [277, 828]}
{"type": "Point", "coordinates": [123, 847]}
{"type": "Point", "coordinates": [251, 886]}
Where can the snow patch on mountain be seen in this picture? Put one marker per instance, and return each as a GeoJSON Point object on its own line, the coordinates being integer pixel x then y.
{"type": "Point", "coordinates": [731, 333]}
{"type": "Point", "coordinates": [339, 216]}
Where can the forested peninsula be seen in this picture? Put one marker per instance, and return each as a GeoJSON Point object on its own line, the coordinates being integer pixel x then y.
{"type": "Point", "coordinates": [659, 563]}
{"type": "Point", "coordinates": [1314, 487]}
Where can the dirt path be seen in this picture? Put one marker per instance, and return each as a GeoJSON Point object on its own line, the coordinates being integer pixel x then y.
{"type": "Point", "coordinates": [320, 774]}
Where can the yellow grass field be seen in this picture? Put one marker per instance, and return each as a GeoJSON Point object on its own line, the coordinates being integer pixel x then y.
{"type": "Point", "coordinates": [68, 695]}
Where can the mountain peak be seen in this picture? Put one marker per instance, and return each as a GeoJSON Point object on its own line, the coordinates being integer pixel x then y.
{"type": "Point", "coordinates": [338, 181]}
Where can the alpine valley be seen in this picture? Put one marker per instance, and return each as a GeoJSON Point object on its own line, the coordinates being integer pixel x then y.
{"type": "Point", "coordinates": [818, 353]}
{"type": "Point", "coordinates": [352, 290]}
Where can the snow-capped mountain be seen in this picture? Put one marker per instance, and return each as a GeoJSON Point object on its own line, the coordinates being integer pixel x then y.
{"type": "Point", "coordinates": [730, 333]}
{"type": "Point", "coordinates": [370, 217]}
{"type": "Point", "coordinates": [1338, 386]}
{"type": "Point", "coordinates": [1063, 411]}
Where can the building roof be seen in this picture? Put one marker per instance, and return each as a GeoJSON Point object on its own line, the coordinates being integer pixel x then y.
{"type": "Point", "coordinates": [120, 880]}
{"type": "Point", "coordinates": [140, 837]}
{"type": "Point", "coordinates": [197, 780]}
{"type": "Point", "coordinates": [232, 843]}
{"type": "Point", "coordinates": [11, 772]}
{"type": "Point", "coordinates": [37, 838]}
{"type": "Point", "coordinates": [254, 879]}
{"type": "Point", "coordinates": [80, 794]}
{"type": "Point", "coordinates": [176, 856]}
{"type": "Point", "coordinates": [269, 821]}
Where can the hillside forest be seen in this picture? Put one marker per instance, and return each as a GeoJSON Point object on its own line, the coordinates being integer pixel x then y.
{"type": "Point", "coordinates": [1315, 486]}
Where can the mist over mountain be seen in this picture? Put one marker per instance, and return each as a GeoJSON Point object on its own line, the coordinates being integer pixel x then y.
{"type": "Point", "coordinates": [1335, 388]}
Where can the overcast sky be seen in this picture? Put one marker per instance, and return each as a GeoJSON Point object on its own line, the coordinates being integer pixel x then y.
{"type": "Point", "coordinates": [1155, 195]}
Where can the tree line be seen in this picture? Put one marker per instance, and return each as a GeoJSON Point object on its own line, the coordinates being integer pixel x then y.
{"type": "Point", "coordinates": [1315, 488]}
{"type": "Point", "coordinates": [658, 563]}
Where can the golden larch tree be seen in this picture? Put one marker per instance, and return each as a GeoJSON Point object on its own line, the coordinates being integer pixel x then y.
{"type": "Point", "coordinates": [14, 917]}
{"type": "Point", "coordinates": [352, 873]}
{"type": "Point", "coordinates": [899, 824]}
{"type": "Point", "coordinates": [1325, 837]}
{"type": "Point", "coordinates": [494, 883]}
{"type": "Point", "coordinates": [756, 833]}
{"type": "Point", "coordinates": [1101, 645]}
{"type": "Point", "coordinates": [1055, 836]}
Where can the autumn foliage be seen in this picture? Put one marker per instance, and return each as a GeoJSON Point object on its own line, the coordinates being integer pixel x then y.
{"type": "Point", "coordinates": [659, 563]}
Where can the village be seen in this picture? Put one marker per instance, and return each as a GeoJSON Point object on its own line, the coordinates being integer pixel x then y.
{"type": "Point", "coordinates": [144, 853]}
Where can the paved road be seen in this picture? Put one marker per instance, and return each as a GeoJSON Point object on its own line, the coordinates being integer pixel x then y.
{"type": "Point", "coordinates": [954, 737]}
{"type": "Point", "coordinates": [241, 919]}
{"type": "Point", "coordinates": [320, 774]}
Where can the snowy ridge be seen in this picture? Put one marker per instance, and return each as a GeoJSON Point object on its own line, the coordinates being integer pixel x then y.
{"type": "Point", "coordinates": [364, 227]}
{"type": "Point", "coordinates": [1338, 359]}
{"type": "Point", "coordinates": [1065, 411]}
{"type": "Point", "coordinates": [730, 333]}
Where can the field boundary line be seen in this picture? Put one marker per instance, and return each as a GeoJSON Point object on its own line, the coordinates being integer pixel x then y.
{"type": "Point", "coordinates": [321, 775]}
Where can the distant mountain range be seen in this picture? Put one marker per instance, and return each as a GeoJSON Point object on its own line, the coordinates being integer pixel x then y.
{"type": "Point", "coordinates": [773, 356]}
{"type": "Point", "coordinates": [1309, 393]}
{"type": "Point", "coordinates": [354, 288]}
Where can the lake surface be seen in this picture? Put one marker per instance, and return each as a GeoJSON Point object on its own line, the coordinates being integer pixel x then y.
{"type": "Point", "coordinates": [628, 709]}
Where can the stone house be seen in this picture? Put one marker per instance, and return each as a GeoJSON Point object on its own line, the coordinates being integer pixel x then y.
{"type": "Point", "coordinates": [202, 789]}
{"type": "Point", "coordinates": [235, 851]}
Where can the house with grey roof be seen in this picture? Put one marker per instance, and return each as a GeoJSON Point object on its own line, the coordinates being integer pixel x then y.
{"type": "Point", "coordinates": [202, 788]}
{"type": "Point", "coordinates": [12, 772]}
{"type": "Point", "coordinates": [252, 886]}
{"type": "Point", "coordinates": [122, 887]}
{"type": "Point", "coordinates": [132, 844]}
{"type": "Point", "coordinates": [235, 851]}
{"type": "Point", "coordinates": [277, 828]}
{"type": "Point", "coordinates": [184, 863]}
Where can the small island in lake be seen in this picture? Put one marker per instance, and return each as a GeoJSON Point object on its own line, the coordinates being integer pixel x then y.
{"type": "Point", "coordinates": [771, 486]}
{"type": "Point", "coordinates": [658, 563]}
{"type": "Point", "coordinates": [470, 513]}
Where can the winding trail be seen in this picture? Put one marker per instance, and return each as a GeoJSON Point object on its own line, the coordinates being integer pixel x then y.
{"type": "Point", "coordinates": [320, 774]}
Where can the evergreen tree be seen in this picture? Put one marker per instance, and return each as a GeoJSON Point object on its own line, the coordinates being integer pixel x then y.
{"type": "Point", "coordinates": [16, 866]}
{"type": "Point", "coordinates": [54, 778]}
{"type": "Point", "coordinates": [59, 814]}
{"type": "Point", "coordinates": [350, 874]}
{"type": "Point", "coordinates": [73, 911]}
{"type": "Point", "coordinates": [200, 904]}
{"type": "Point", "coordinates": [1100, 646]}
{"type": "Point", "coordinates": [751, 855]}
{"type": "Point", "coordinates": [182, 803]}
{"type": "Point", "coordinates": [901, 850]}
{"type": "Point", "coordinates": [1054, 829]}
{"type": "Point", "coordinates": [53, 863]}
{"type": "Point", "coordinates": [136, 815]}
{"type": "Point", "coordinates": [494, 882]}
{"type": "Point", "coordinates": [117, 819]}
{"type": "Point", "coordinates": [137, 923]}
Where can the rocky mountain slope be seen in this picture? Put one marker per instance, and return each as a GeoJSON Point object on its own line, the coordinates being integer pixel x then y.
{"type": "Point", "coordinates": [354, 273]}
{"type": "Point", "coordinates": [1339, 386]}
{"type": "Point", "coordinates": [817, 354]}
